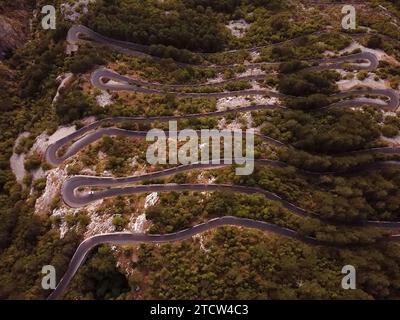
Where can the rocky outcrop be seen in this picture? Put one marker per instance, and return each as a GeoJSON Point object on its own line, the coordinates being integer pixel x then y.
{"type": "Point", "coordinates": [14, 27]}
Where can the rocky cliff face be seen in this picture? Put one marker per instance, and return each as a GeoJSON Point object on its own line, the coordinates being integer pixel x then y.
{"type": "Point", "coordinates": [14, 25]}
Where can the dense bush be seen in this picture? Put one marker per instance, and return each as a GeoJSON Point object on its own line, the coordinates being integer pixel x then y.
{"type": "Point", "coordinates": [32, 162]}
{"type": "Point", "coordinates": [85, 63]}
{"type": "Point", "coordinates": [291, 66]}
{"type": "Point", "coordinates": [375, 42]}
{"type": "Point", "coordinates": [307, 83]}
{"type": "Point", "coordinates": [313, 101]}
{"type": "Point", "coordinates": [180, 55]}
{"type": "Point", "coordinates": [336, 131]}
{"type": "Point", "coordinates": [173, 25]}
{"type": "Point", "coordinates": [74, 106]}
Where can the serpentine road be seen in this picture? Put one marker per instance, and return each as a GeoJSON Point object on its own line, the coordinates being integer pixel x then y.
{"type": "Point", "coordinates": [122, 238]}
{"type": "Point", "coordinates": [84, 137]}
{"type": "Point", "coordinates": [320, 64]}
{"type": "Point", "coordinates": [71, 198]}
{"type": "Point", "coordinates": [75, 33]}
{"type": "Point", "coordinates": [75, 199]}
{"type": "Point", "coordinates": [93, 132]}
{"type": "Point", "coordinates": [127, 84]}
{"type": "Point", "coordinates": [123, 83]}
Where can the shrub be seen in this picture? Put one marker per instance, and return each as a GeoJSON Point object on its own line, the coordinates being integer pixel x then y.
{"type": "Point", "coordinates": [313, 101]}
{"type": "Point", "coordinates": [119, 222]}
{"type": "Point", "coordinates": [389, 130]}
{"type": "Point", "coordinates": [39, 184]}
{"type": "Point", "coordinates": [83, 64]}
{"type": "Point", "coordinates": [374, 42]}
{"type": "Point", "coordinates": [291, 66]}
{"type": "Point", "coordinates": [362, 75]}
{"type": "Point", "coordinates": [33, 162]}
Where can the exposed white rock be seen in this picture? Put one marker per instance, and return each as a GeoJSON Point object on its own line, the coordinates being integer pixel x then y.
{"type": "Point", "coordinates": [249, 119]}
{"type": "Point", "coordinates": [101, 155]}
{"type": "Point", "coordinates": [141, 171]}
{"type": "Point", "coordinates": [254, 55]}
{"type": "Point", "coordinates": [234, 125]}
{"type": "Point", "coordinates": [233, 102]}
{"type": "Point", "coordinates": [88, 120]}
{"type": "Point", "coordinates": [99, 223]}
{"type": "Point", "coordinates": [201, 178]}
{"type": "Point", "coordinates": [61, 213]}
{"type": "Point", "coordinates": [218, 79]}
{"type": "Point", "coordinates": [74, 11]}
{"type": "Point", "coordinates": [133, 161]}
{"type": "Point", "coordinates": [54, 181]}
{"type": "Point", "coordinates": [388, 113]}
{"type": "Point", "coordinates": [251, 72]}
{"type": "Point", "coordinates": [17, 160]}
{"type": "Point", "coordinates": [255, 85]}
{"type": "Point", "coordinates": [61, 133]}
{"type": "Point", "coordinates": [38, 174]}
{"type": "Point", "coordinates": [40, 144]}
{"type": "Point", "coordinates": [71, 48]}
{"type": "Point", "coordinates": [151, 200]}
{"type": "Point", "coordinates": [43, 140]}
{"type": "Point", "coordinates": [104, 99]}
{"type": "Point", "coordinates": [329, 53]}
{"type": "Point", "coordinates": [88, 172]}
{"type": "Point", "coordinates": [247, 73]}
{"type": "Point", "coordinates": [115, 83]}
{"type": "Point", "coordinates": [64, 81]}
{"type": "Point", "coordinates": [140, 224]}
{"type": "Point", "coordinates": [201, 242]}
{"type": "Point", "coordinates": [238, 28]}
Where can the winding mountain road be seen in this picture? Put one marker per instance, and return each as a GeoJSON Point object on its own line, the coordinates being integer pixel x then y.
{"type": "Point", "coordinates": [79, 33]}
{"type": "Point", "coordinates": [319, 65]}
{"type": "Point", "coordinates": [123, 83]}
{"type": "Point", "coordinates": [93, 132]}
{"type": "Point", "coordinates": [72, 199]}
{"type": "Point", "coordinates": [124, 238]}
{"type": "Point", "coordinates": [75, 199]}
{"type": "Point", "coordinates": [121, 238]}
